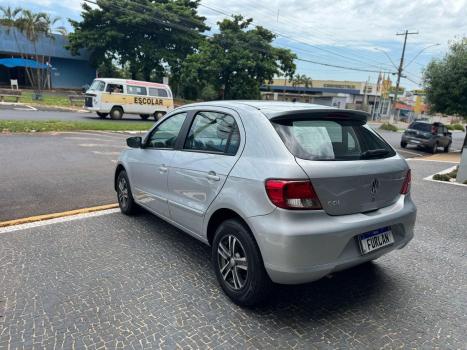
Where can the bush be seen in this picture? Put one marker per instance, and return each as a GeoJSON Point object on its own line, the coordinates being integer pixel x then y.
{"type": "Point", "coordinates": [456, 127]}
{"type": "Point", "coordinates": [442, 177]}
{"type": "Point", "coordinates": [389, 127]}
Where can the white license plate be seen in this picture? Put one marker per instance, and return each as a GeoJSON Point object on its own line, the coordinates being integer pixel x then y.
{"type": "Point", "coordinates": [414, 141]}
{"type": "Point", "coordinates": [376, 239]}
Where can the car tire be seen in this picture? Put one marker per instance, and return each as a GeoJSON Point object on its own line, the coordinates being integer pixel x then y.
{"type": "Point", "coordinates": [124, 196]}
{"type": "Point", "coordinates": [144, 116]}
{"type": "Point", "coordinates": [102, 115]}
{"type": "Point", "coordinates": [238, 264]}
{"type": "Point", "coordinates": [403, 144]}
{"type": "Point", "coordinates": [116, 113]}
{"type": "Point", "coordinates": [446, 149]}
{"type": "Point", "coordinates": [434, 148]}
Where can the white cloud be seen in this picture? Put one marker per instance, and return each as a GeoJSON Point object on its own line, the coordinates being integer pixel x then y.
{"type": "Point", "coordinates": [353, 22]}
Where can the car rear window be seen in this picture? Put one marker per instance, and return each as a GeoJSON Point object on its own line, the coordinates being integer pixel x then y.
{"type": "Point", "coordinates": [315, 139]}
{"type": "Point", "coordinates": [420, 126]}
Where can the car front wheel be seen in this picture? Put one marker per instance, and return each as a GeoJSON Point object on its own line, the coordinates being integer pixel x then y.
{"type": "Point", "coordinates": [125, 197]}
{"type": "Point", "coordinates": [446, 149]}
{"type": "Point", "coordinates": [434, 148]}
{"type": "Point", "coordinates": [238, 264]}
{"type": "Point", "coordinates": [403, 144]}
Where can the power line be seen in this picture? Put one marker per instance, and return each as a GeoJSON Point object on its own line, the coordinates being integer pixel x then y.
{"type": "Point", "coordinates": [190, 30]}
{"type": "Point", "coordinates": [298, 41]}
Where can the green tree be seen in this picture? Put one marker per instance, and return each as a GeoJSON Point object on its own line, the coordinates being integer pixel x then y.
{"type": "Point", "coordinates": [236, 61]}
{"type": "Point", "coordinates": [445, 81]}
{"type": "Point", "coordinates": [151, 38]}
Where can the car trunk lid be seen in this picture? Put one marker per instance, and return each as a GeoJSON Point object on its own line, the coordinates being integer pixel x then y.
{"type": "Point", "coordinates": [351, 187]}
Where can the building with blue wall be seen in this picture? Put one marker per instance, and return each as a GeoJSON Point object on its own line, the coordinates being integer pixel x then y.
{"type": "Point", "coordinates": [67, 71]}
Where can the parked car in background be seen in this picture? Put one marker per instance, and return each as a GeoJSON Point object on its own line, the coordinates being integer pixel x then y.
{"type": "Point", "coordinates": [114, 97]}
{"type": "Point", "coordinates": [428, 135]}
{"type": "Point", "coordinates": [282, 192]}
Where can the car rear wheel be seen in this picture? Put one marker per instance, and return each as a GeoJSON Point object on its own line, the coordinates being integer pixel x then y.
{"type": "Point", "coordinates": [238, 264]}
{"type": "Point", "coordinates": [434, 149]}
{"type": "Point", "coordinates": [125, 197]}
{"type": "Point", "coordinates": [116, 113]}
{"type": "Point", "coordinates": [403, 144]}
{"type": "Point", "coordinates": [446, 149]}
{"type": "Point", "coordinates": [144, 116]}
{"type": "Point", "coordinates": [102, 115]}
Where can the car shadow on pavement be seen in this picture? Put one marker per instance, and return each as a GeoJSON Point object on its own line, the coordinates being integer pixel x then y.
{"type": "Point", "coordinates": [361, 288]}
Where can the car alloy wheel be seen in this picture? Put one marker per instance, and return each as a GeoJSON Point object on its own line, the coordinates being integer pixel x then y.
{"type": "Point", "coordinates": [232, 262]}
{"type": "Point", "coordinates": [123, 192]}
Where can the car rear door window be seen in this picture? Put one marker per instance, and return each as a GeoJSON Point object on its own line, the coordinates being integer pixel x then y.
{"type": "Point", "coordinates": [213, 132]}
{"type": "Point", "coordinates": [165, 135]}
{"type": "Point", "coordinates": [316, 139]}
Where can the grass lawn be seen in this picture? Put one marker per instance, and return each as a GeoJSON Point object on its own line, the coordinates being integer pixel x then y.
{"type": "Point", "coordinates": [58, 125]}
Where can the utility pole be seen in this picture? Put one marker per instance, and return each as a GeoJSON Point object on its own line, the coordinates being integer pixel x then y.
{"type": "Point", "coordinates": [399, 72]}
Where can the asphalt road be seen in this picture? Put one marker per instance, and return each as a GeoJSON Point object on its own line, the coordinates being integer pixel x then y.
{"type": "Point", "coordinates": [136, 282]}
{"type": "Point", "coordinates": [46, 173]}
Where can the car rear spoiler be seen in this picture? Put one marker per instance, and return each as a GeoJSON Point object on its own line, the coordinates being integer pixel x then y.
{"type": "Point", "coordinates": [329, 113]}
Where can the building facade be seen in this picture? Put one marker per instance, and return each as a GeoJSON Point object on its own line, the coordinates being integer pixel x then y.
{"type": "Point", "coordinates": [370, 97]}
{"type": "Point", "coordinates": [66, 71]}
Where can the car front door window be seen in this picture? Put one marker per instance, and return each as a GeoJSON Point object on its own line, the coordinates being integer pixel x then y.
{"type": "Point", "coordinates": [165, 135]}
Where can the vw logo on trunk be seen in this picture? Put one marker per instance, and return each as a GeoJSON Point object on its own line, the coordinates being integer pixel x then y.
{"type": "Point", "coordinates": [374, 187]}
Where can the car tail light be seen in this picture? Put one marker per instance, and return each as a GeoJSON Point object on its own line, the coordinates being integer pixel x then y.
{"type": "Point", "coordinates": [292, 194]}
{"type": "Point", "coordinates": [407, 181]}
{"type": "Point", "coordinates": [434, 130]}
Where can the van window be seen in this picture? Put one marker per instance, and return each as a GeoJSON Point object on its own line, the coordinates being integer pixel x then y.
{"type": "Point", "coordinates": [158, 92]}
{"type": "Point", "coordinates": [213, 132]}
{"type": "Point", "coordinates": [114, 88]}
{"type": "Point", "coordinates": [136, 90]}
{"type": "Point", "coordinates": [331, 140]}
{"type": "Point", "coordinates": [97, 85]}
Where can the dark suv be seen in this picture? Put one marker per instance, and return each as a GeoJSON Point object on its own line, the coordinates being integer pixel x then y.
{"type": "Point", "coordinates": [428, 135]}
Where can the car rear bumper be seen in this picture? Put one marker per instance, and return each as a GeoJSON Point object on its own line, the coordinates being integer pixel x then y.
{"type": "Point", "coordinates": [303, 246]}
{"type": "Point", "coordinates": [417, 141]}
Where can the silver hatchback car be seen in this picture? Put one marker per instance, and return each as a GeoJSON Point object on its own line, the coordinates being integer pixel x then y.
{"type": "Point", "coordinates": [282, 192]}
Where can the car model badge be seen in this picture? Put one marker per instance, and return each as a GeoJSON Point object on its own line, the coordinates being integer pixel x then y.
{"type": "Point", "coordinates": [374, 187]}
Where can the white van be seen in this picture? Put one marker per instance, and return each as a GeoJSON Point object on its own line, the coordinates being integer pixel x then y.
{"type": "Point", "coordinates": [114, 97]}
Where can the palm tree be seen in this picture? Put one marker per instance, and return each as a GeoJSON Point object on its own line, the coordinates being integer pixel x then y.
{"type": "Point", "coordinates": [33, 26]}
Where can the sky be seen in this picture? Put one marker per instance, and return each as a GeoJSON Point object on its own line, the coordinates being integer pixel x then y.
{"type": "Point", "coordinates": [351, 33]}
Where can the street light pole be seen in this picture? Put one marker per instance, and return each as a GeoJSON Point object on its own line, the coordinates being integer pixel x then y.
{"type": "Point", "coordinates": [399, 73]}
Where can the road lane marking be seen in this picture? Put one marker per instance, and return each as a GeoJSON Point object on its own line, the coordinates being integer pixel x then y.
{"type": "Point", "coordinates": [48, 217]}
{"type": "Point", "coordinates": [100, 145]}
{"type": "Point", "coordinates": [445, 171]}
{"type": "Point", "coordinates": [106, 153]}
{"type": "Point", "coordinates": [409, 152]}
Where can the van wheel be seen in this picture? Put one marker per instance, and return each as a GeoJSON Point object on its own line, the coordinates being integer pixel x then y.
{"type": "Point", "coordinates": [238, 264]}
{"type": "Point", "coordinates": [102, 115]}
{"type": "Point", "coordinates": [116, 113]}
{"type": "Point", "coordinates": [159, 115]}
{"type": "Point", "coordinates": [144, 116]}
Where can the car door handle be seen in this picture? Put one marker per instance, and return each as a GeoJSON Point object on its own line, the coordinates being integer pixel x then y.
{"type": "Point", "coordinates": [212, 176]}
{"type": "Point", "coordinates": [163, 169]}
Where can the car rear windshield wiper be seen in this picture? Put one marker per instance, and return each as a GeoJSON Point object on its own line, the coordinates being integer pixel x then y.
{"type": "Point", "coordinates": [374, 153]}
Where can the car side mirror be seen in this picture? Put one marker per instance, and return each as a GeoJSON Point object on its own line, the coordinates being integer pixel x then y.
{"type": "Point", "coordinates": [134, 142]}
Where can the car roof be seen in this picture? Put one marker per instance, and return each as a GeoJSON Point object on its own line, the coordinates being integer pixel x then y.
{"type": "Point", "coordinates": [280, 109]}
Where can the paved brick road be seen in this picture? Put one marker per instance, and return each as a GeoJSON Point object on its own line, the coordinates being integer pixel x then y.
{"type": "Point", "coordinates": [113, 281]}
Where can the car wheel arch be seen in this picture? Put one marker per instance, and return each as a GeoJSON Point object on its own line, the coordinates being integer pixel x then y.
{"type": "Point", "coordinates": [219, 216]}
